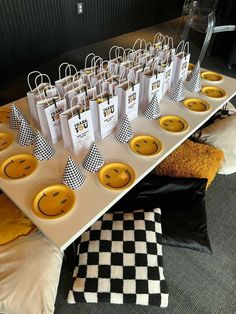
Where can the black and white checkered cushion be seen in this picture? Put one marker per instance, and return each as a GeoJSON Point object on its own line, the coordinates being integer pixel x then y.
{"type": "Point", "coordinates": [120, 261]}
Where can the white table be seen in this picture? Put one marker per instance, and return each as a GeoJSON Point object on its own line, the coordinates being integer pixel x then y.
{"type": "Point", "coordinates": [93, 200]}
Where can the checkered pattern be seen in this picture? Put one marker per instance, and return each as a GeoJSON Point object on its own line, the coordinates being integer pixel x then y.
{"type": "Point", "coordinates": [25, 134]}
{"type": "Point", "coordinates": [15, 117]}
{"type": "Point", "coordinates": [153, 110]}
{"type": "Point", "coordinates": [93, 160]}
{"type": "Point", "coordinates": [120, 261]}
{"type": "Point", "coordinates": [177, 92]}
{"type": "Point", "coordinates": [194, 84]}
{"type": "Point", "coordinates": [124, 133]}
{"type": "Point", "coordinates": [73, 177]}
{"type": "Point", "coordinates": [42, 149]}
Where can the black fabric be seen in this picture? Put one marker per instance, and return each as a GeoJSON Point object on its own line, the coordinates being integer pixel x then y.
{"type": "Point", "coordinates": [184, 221]}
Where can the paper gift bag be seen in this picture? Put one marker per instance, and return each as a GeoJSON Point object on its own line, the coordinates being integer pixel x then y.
{"type": "Point", "coordinates": [167, 68]}
{"type": "Point", "coordinates": [181, 61]}
{"type": "Point", "coordinates": [116, 57]}
{"type": "Point", "coordinates": [67, 82]}
{"type": "Point", "coordinates": [151, 82]}
{"type": "Point", "coordinates": [128, 99]}
{"type": "Point", "coordinates": [104, 110]}
{"type": "Point", "coordinates": [49, 111]}
{"type": "Point", "coordinates": [39, 91]}
{"type": "Point", "coordinates": [76, 125]}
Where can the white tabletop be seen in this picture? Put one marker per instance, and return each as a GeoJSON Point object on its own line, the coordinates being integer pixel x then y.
{"type": "Point", "coordinates": [93, 200]}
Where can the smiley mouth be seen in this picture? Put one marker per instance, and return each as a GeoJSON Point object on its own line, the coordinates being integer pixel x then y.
{"type": "Point", "coordinates": [9, 176]}
{"type": "Point", "coordinates": [152, 152]}
{"type": "Point", "coordinates": [121, 186]}
{"type": "Point", "coordinates": [42, 211]}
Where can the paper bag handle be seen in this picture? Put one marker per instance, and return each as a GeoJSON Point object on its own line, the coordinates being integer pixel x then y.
{"type": "Point", "coordinates": [59, 69]}
{"type": "Point", "coordinates": [28, 78]}
{"type": "Point", "coordinates": [86, 59]}
{"type": "Point", "coordinates": [158, 37]}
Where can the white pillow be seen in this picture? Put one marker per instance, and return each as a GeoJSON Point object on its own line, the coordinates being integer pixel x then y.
{"type": "Point", "coordinates": [29, 275]}
{"type": "Point", "coordinates": [222, 134]}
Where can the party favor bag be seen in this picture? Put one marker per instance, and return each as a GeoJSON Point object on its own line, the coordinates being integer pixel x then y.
{"type": "Point", "coordinates": [66, 82]}
{"type": "Point", "coordinates": [42, 90]}
{"type": "Point", "coordinates": [181, 61]}
{"type": "Point", "coordinates": [77, 126]}
{"type": "Point", "coordinates": [128, 99]}
{"type": "Point", "coordinates": [104, 110]}
{"type": "Point", "coordinates": [49, 111]}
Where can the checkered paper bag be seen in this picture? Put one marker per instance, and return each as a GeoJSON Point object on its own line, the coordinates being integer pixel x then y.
{"type": "Point", "coordinates": [120, 261]}
{"type": "Point", "coordinates": [73, 176]}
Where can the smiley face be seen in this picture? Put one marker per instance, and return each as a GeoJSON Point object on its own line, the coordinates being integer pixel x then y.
{"type": "Point", "coordinates": [5, 140]}
{"type": "Point", "coordinates": [212, 76]}
{"type": "Point", "coordinates": [116, 176]}
{"type": "Point", "coordinates": [197, 105]}
{"type": "Point", "coordinates": [18, 166]}
{"type": "Point", "coordinates": [173, 124]}
{"type": "Point", "coordinates": [145, 145]}
{"type": "Point", "coordinates": [213, 92]}
{"type": "Point", "coordinates": [53, 201]}
{"type": "Point", "coordinates": [4, 115]}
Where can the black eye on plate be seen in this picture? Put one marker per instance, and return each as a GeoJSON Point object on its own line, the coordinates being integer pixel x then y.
{"type": "Point", "coordinates": [145, 141]}
{"type": "Point", "coordinates": [107, 176]}
{"type": "Point", "coordinates": [116, 170]}
{"type": "Point", "coordinates": [21, 161]}
{"type": "Point", "coordinates": [64, 201]}
{"type": "Point", "coordinates": [55, 194]}
{"type": "Point", "coordinates": [28, 167]}
{"type": "Point", "coordinates": [137, 145]}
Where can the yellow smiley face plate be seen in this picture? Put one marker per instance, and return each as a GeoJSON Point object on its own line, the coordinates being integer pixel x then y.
{"type": "Point", "coordinates": [116, 176]}
{"type": "Point", "coordinates": [5, 140]}
{"type": "Point", "coordinates": [213, 92]}
{"type": "Point", "coordinates": [212, 76]}
{"type": "Point", "coordinates": [5, 114]}
{"type": "Point", "coordinates": [196, 105]}
{"type": "Point", "coordinates": [174, 124]}
{"type": "Point", "coordinates": [145, 145]}
{"type": "Point", "coordinates": [18, 167]}
{"type": "Point", "coordinates": [53, 201]}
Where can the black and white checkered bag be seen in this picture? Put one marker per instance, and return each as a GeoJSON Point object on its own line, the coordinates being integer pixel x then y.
{"type": "Point", "coordinates": [120, 261]}
{"type": "Point", "coordinates": [73, 177]}
{"type": "Point", "coordinates": [153, 110]}
{"type": "Point", "coordinates": [124, 132]}
{"type": "Point", "coordinates": [177, 92]}
{"type": "Point", "coordinates": [25, 135]}
{"type": "Point", "coordinates": [194, 84]}
{"type": "Point", "coordinates": [42, 149]}
{"type": "Point", "coordinates": [93, 160]}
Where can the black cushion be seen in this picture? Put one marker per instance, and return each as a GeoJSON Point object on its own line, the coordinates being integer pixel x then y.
{"type": "Point", "coordinates": [184, 221]}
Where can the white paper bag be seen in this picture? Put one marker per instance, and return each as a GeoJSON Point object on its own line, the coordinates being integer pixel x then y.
{"type": "Point", "coordinates": [104, 110]}
{"type": "Point", "coordinates": [42, 90]}
{"type": "Point", "coordinates": [181, 62]}
{"type": "Point", "coordinates": [128, 99]}
{"type": "Point", "coordinates": [48, 112]}
{"type": "Point", "coordinates": [77, 126]}
{"type": "Point", "coordinates": [65, 82]}
{"type": "Point", "coordinates": [151, 83]}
